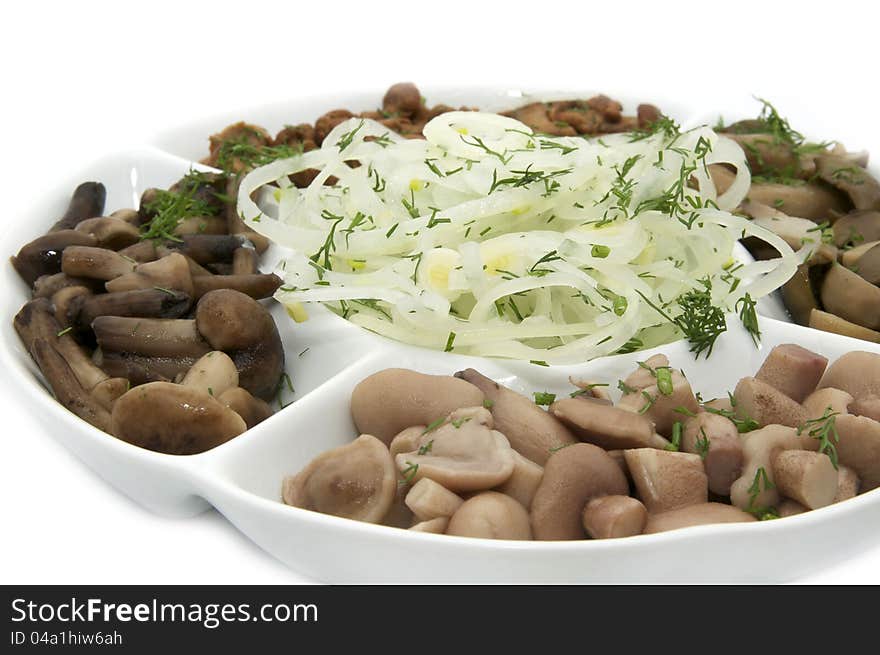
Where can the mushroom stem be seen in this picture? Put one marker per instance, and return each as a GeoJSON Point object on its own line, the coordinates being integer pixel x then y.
{"type": "Point", "coordinates": [140, 369]}
{"type": "Point", "coordinates": [245, 261]}
{"type": "Point", "coordinates": [170, 272]}
{"type": "Point", "coordinates": [807, 477]}
{"type": "Point", "coordinates": [257, 286]}
{"type": "Point", "coordinates": [154, 337]}
{"type": "Point", "coordinates": [614, 516]}
{"type": "Point", "coordinates": [43, 255]}
{"type": "Point", "coordinates": [144, 303]}
{"type": "Point", "coordinates": [111, 233]}
{"type": "Point", "coordinates": [87, 201]}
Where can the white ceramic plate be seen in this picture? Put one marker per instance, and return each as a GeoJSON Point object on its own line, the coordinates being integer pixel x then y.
{"type": "Point", "coordinates": [327, 357]}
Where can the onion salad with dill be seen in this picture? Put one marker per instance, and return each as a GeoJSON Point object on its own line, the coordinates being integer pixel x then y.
{"type": "Point", "coordinates": [486, 238]}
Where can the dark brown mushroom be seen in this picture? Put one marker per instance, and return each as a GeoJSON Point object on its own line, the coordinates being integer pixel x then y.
{"type": "Point", "coordinates": [173, 419]}
{"type": "Point", "coordinates": [141, 369]}
{"type": "Point", "coordinates": [257, 285]}
{"type": "Point", "coordinates": [856, 228]}
{"type": "Point", "coordinates": [153, 337]}
{"type": "Point", "coordinates": [867, 266]}
{"type": "Point", "coordinates": [241, 327]}
{"type": "Point", "coordinates": [47, 286]}
{"type": "Point", "coordinates": [87, 201]}
{"type": "Point", "coordinates": [812, 201]}
{"type": "Point", "coordinates": [43, 255]}
{"type": "Point", "coordinates": [112, 233]}
{"type": "Point", "coordinates": [402, 98]}
{"type": "Point", "coordinates": [142, 303]}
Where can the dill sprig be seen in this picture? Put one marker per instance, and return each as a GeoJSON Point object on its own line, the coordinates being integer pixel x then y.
{"type": "Point", "coordinates": [761, 479]}
{"type": "Point", "coordinates": [700, 321]}
{"type": "Point", "coordinates": [168, 208]}
{"type": "Point", "coordinates": [248, 155]}
{"type": "Point", "coordinates": [824, 429]}
{"type": "Point", "coordinates": [749, 317]}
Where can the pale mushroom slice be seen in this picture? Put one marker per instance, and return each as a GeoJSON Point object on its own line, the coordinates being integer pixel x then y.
{"type": "Point", "coordinates": [857, 372]}
{"type": "Point", "coordinates": [667, 480]}
{"type": "Point", "coordinates": [715, 439]}
{"type": "Point", "coordinates": [792, 369]}
{"type": "Point", "coordinates": [463, 454]}
{"type": "Point", "coordinates": [806, 477]}
{"type": "Point", "coordinates": [356, 481]}
{"type": "Point", "coordinates": [611, 517]}
{"type": "Point", "coordinates": [858, 447]}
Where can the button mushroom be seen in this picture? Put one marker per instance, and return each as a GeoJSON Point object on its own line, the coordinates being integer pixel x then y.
{"type": "Point", "coordinates": [862, 188]}
{"type": "Point", "coordinates": [434, 526]}
{"type": "Point", "coordinates": [702, 514]}
{"type": "Point", "coordinates": [463, 454]}
{"type": "Point", "coordinates": [43, 255]}
{"type": "Point", "coordinates": [667, 480]}
{"type": "Point", "coordinates": [490, 515]}
{"type": "Point", "coordinates": [858, 447]}
{"type": "Point", "coordinates": [524, 481]}
{"type": "Point", "coordinates": [531, 431]}
{"type": "Point", "coordinates": [253, 410]}
{"type": "Point", "coordinates": [609, 517]}
{"type": "Point", "coordinates": [661, 402]}
{"type": "Point", "coordinates": [87, 201]}
{"type": "Point", "coordinates": [391, 400]}
{"type": "Point", "coordinates": [573, 476]}
{"type": "Point", "coordinates": [356, 481]}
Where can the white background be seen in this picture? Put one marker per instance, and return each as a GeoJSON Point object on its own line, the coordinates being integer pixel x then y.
{"type": "Point", "coordinates": [80, 79]}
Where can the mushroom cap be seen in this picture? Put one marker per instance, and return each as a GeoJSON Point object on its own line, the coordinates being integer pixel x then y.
{"type": "Point", "coordinates": [356, 481]}
{"type": "Point", "coordinates": [857, 226]}
{"type": "Point", "coordinates": [867, 266]}
{"type": "Point", "coordinates": [811, 201]}
{"type": "Point", "coordinates": [851, 297]}
{"type": "Point", "coordinates": [407, 440]}
{"type": "Point", "coordinates": [387, 402]}
{"type": "Point", "coordinates": [573, 476]}
{"type": "Point", "coordinates": [857, 372]}
{"type": "Point", "coordinates": [531, 431]}
{"type": "Point", "coordinates": [490, 515]}
{"type": "Point", "coordinates": [240, 326]}
{"type": "Point", "coordinates": [43, 255]}
{"type": "Point", "coordinates": [667, 480]}
{"type": "Point", "coordinates": [610, 517]}
{"type": "Point", "coordinates": [663, 410]}
{"type": "Point", "coordinates": [463, 454]}
{"type": "Point", "coordinates": [173, 419]}
{"type": "Point", "coordinates": [865, 406]}
{"type": "Point", "coordinates": [862, 188]}
{"type": "Point", "coordinates": [169, 272]}
{"type": "Point", "coordinates": [110, 232]}
{"type": "Point", "coordinates": [242, 402]}
{"type": "Point", "coordinates": [702, 514]}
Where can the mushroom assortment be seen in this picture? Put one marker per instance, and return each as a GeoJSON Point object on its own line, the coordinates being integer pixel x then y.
{"type": "Point", "coordinates": [147, 323]}
{"type": "Point", "coordinates": [464, 455]}
{"type": "Point", "coordinates": [824, 196]}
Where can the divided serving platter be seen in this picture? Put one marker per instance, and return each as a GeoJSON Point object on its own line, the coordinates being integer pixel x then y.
{"type": "Point", "coordinates": [327, 357]}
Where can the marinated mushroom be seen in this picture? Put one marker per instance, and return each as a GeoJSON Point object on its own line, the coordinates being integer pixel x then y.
{"type": "Point", "coordinates": [766, 405]}
{"type": "Point", "coordinates": [663, 400]}
{"type": "Point", "coordinates": [607, 426]}
{"type": "Point", "coordinates": [716, 440]}
{"type": "Point", "coordinates": [851, 297]}
{"type": "Point", "coordinates": [856, 372]}
{"type": "Point", "coordinates": [667, 480]}
{"type": "Point", "coordinates": [793, 370]}
{"type": "Point", "coordinates": [573, 476]}
{"type": "Point", "coordinates": [806, 477]}
{"type": "Point", "coordinates": [429, 500]}
{"type": "Point", "coordinates": [830, 323]}
{"type": "Point", "coordinates": [173, 419]}
{"type": "Point", "coordinates": [531, 431]}
{"type": "Point", "coordinates": [356, 481]}
{"type": "Point", "coordinates": [462, 454]}
{"type": "Point", "coordinates": [391, 400]}
{"type": "Point", "coordinates": [609, 517]}
{"type": "Point", "coordinates": [490, 515]}
{"type": "Point", "coordinates": [702, 514]}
